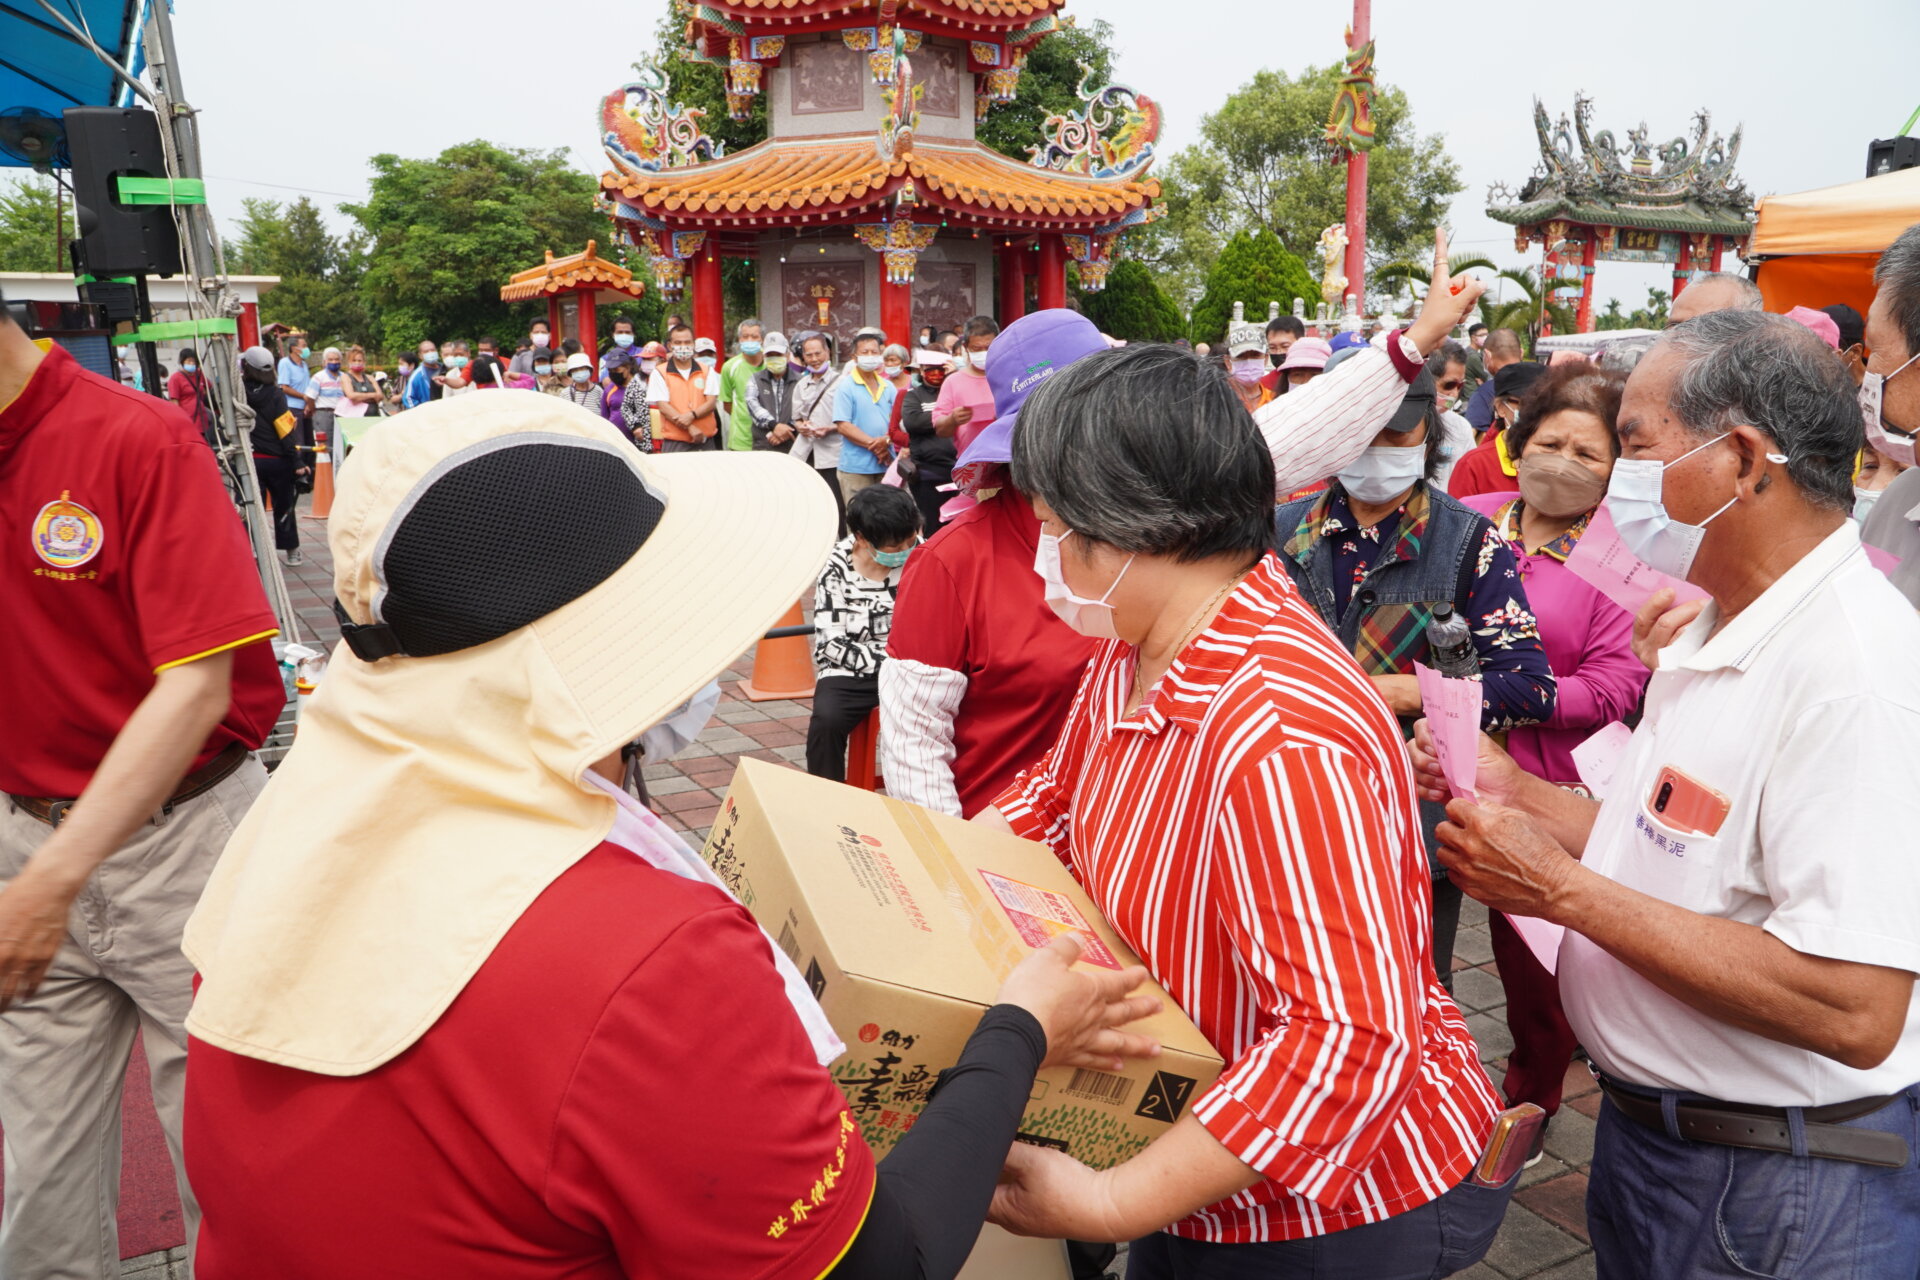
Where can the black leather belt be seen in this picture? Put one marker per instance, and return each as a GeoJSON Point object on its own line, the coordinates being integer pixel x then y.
{"type": "Point", "coordinates": [1757, 1128]}
{"type": "Point", "coordinates": [199, 782]}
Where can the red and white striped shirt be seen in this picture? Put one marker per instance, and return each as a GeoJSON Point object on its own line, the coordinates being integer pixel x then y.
{"type": "Point", "coordinates": [1251, 830]}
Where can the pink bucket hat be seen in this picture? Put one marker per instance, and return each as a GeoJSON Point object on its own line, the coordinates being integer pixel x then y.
{"type": "Point", "coordinates": [1308, 353]}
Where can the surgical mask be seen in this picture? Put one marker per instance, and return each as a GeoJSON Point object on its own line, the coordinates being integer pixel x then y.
{"type": "Point", "coordinates": [581, 375]}
{"type": "Point", "coordinates": [333, 366]}
{"type": "Point", "coordinates": [1558, 487]}
{"type": "Point", "coordinates": [1889, 441]}
{"type": "Point", "coordinates": [543, 370]}
{"type": "Point", "coordinates": [683, 354]}
{"type": "Point", "coordinates": [705, 362]}
{"type": "Point", "coordinates": [1091, 618]}
{"type": "Point", "coordinates": [188, 366]}
{"type": "Point", "coordinates": [892, 559]}
{"type": "Point", "coordinates": [1384, 472]}
{"type": "Point", "coordinates": [432, 357]}
{"type": "Point", "coordinates": [978, 359]}
{"type": "Point", "coordinates": [357, 367]}
{"type": "Point", "coordinates": [1249, 369]}
{"type": "Point", "coordinates": [749, 348]}
{"type": "Point", "coordinates": [817, 369]}
{"type": "Point", "coordinates": [457, 362]}
{"type": "Point", "coordinates": [622, 339]}
{"type": "Point", "coordinates": [867, 363]}
{"type": "Point", "coordinates": [646, 366]}
{"type": "Point", "coordinates": [1863, 500]}
{"type": "Point", "coordinates": [1639, 511]}
{"type": "Point", "coordinates": [776, 365]}
{"type": "Point", "coordinates": [893, 371]}
{"type": "Point", "coordinates": [539, 339]}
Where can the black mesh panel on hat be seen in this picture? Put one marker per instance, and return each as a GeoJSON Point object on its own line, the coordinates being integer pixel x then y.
{"type": "Point", "coordinates": [508, 537]}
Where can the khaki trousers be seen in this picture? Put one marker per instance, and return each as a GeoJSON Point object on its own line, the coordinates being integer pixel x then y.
{"type": "Point", "coordinates": [63, 1054]}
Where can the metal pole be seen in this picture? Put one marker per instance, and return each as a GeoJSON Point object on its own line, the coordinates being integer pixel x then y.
{"type": "Point", "coordinates": [206, 275]}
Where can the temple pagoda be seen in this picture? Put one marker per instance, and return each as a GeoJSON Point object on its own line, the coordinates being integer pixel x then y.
{"type": "Point", "coordinates": [871, 202]}
{"type": "Point", "coordinates": [1592, 199]}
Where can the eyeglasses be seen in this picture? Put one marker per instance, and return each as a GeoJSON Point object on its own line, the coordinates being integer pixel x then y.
{"type": "Point", "coordinates": [1451, 385]}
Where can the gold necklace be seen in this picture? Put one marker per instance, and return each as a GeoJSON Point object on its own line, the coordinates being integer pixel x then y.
{"type": "Point", "coordinates": [1206, 611]}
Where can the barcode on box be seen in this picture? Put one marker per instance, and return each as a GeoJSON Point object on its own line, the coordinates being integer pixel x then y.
{"type": "Point", "coordinates": [1100, 1086]}
{"type": "Point", "coordinates": [788, 943]}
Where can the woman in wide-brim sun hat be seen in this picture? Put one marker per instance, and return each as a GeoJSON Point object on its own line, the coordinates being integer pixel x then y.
{"type": "Point", "coordinates": [477, 1012]}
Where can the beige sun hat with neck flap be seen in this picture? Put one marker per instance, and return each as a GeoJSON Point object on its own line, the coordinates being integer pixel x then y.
{"type": "Point", "coordinates": [523, 592]}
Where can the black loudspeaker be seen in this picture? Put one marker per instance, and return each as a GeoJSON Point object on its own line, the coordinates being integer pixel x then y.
{"type": "Point", "coordinates": [117, 239]}
{"type": "Point", "coordinates": [1890, 155]}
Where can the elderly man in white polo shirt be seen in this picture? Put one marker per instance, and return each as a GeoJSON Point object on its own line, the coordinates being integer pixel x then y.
{"type": "Point", "coordinates": [1743, 908]}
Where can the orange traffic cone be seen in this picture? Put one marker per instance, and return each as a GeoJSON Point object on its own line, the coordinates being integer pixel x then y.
{"type": "Point", "coordinates": [782, 667]}
{"type": "Point", "coordinates": [322, 479]}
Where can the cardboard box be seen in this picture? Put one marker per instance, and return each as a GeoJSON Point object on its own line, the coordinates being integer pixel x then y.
{"type": "Point", "coordinates": [905, 923]}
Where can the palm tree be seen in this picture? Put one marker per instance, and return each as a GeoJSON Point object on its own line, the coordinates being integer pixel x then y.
{"type": "Point", "coordinates": [1523, 314]}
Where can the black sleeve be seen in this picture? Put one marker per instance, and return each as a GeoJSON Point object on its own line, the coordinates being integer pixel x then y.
{"type": "Point", "coordinates": [933, 1189]}
{"type": "Point", "coordinates": [916, 418]}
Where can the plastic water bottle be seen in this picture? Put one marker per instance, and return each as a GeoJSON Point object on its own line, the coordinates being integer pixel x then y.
{"type": "Point", "coordinates": [1451, 644]}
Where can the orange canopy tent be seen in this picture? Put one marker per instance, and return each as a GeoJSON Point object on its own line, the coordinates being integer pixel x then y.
{"type": "Point", "coordinates": [1816, 248]}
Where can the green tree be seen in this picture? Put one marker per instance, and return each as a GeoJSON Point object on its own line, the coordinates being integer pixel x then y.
{"type": "Point", "coordinates": [1611, 318]}
{"type": "Point", "coordinates": [443, 235]}
{"type": "Point", "coordinates": [1253, 268]}
{"type": "Point", "coordinates": [320, 273]}
{"type": "Point", "coordinates": [1262, 162]}
{"type": "Point", "coordinates": [1654, 314]}
{"type": "Point", "coordinates": [1132, 306]}
{"type": "Point", "coordinates": [29, 239]}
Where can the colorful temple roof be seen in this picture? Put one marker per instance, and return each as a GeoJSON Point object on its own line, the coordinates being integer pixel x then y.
{"type": "Point", "coordinates": [1683, 185]}
{"type": "Point", "coordinates": [985, 18]}
{"type": "Point", "coordinates": [583, 270]}
{"type": "Point", "coordinates": [794, 180]}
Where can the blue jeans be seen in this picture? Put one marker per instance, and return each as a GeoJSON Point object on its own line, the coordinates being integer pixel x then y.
{"type": "Point", "coordinates": [1437, 1239]}
{"type": "Point", "coordinates": [1703, 1210]}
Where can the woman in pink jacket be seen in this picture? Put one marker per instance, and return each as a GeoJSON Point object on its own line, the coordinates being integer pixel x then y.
{"type": "Point", "coordinates": [1565, 448]}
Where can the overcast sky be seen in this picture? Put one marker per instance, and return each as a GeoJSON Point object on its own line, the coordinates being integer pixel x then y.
{"type": "Point", "coordinates": [1812, 83]}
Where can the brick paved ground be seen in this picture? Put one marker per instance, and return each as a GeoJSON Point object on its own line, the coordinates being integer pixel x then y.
{"type": "Point", "coordinates": [1545, 1232]}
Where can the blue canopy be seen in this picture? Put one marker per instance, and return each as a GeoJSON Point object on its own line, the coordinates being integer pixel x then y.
{"type": "Point", "coordinates": [43, 66]}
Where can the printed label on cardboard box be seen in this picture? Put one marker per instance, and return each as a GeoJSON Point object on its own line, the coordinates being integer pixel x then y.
{"type": "Point", "coordinates": [1040, 916]}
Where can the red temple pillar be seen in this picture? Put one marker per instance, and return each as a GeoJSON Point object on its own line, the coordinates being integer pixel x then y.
{"type": "Point", "coordinates": [589, 323]}
{"type": "Point", "coordinates": [1719, 243]}
{"type": "Point", "coordinates": [896, 310]}
{"type": "Point", "coordinates": [1052, 292]}
{"type": "Point", "coordinates": [709, 302]}
{"type": "Point", "coordinates": [1356, 263]}
{"type": "Point", "coordinates": [1013, 282]}
{"type": "Point", "coordinates": [555, 318]}
{"type": "Point", "coordinates": [1584, 317]}
{"type": "Point", "coordinates": [1683, 266]}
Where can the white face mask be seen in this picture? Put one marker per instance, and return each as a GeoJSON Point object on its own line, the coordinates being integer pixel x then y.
{"type": "Point", "coordinates": [1636, 503]}
{"type": "Point", "coordinates": [1863, 500]}
{"type": "Point", "coordinates": [539, 339]}
{"type": "Point", "coordinates": [683, 354]}
{"type": "Point", "coordinates": [1091, 618]}
{"type": "Point", "coordinates": [867, 363]}
{"type": "Point", "coordinates": [978, 359]}
{"type": "Point", "coordinates": [1890, 442]}
{"type": "Point", "coordinates": [1384, 472]}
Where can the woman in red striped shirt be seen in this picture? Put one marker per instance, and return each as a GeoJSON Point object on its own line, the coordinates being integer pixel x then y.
{"type": "Point", "coordinates": [1234, 793]}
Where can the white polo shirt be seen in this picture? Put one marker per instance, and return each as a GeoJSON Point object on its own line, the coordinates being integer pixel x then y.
{"type": "Point", "coordinates": [1805, 712]}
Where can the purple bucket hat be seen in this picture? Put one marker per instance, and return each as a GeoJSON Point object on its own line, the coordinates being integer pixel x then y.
{"type": "Point", "coordinates": [1027, 353]}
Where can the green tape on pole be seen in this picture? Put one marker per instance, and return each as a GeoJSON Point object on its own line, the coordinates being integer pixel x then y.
{"type": "Point", "coordinates": [177, 329]}
{"type": "Point", "coordinates": [162, 190]}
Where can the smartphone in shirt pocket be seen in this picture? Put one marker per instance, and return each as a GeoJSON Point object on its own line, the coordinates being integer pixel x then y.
{"type": "Point", "coordinates": [1687, 804]}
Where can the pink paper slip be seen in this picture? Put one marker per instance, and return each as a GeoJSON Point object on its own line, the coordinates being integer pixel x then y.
{"type": "Point", "coordinates": [1602, 561]}
{"type": "Point", "coordinates": [1453, 717]}
{"type": "Point", "coordinates": [1599, 756]}
{"type": "Point", "coordinates": [1542, 938]}
{"type": "Point", "coordinates": [1883, 560]}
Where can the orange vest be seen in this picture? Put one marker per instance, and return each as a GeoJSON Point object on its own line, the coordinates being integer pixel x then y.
{"type": "Point", "coordinates": [685, 391]}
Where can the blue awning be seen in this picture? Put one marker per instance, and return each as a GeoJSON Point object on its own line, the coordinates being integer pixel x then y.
{"type": "Point", "coordinates": [43, 66]}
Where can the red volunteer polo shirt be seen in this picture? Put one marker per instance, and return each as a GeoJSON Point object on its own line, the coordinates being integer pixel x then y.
{"type": "Point", "coordinates": [971, 602]}
{"type": "Point", "coordinates": [120, 556]}
{"type": "Point", "coordinates": [622, 1090]}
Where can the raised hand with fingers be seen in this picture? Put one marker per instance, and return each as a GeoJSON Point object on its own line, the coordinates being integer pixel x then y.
{"type": "Point", "coordinates": [1449, 299]}
{"type": "Point", "coordinates": [1082, 1010]}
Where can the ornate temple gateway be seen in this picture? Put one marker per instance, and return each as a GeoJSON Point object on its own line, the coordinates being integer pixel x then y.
{"type": "Point", "coordinates": [870, 202]}
{"type": "Point", "coordinates": [1594, 199]}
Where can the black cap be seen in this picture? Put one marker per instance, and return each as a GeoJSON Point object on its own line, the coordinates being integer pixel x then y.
{"type": "Point", "coordinates": [1514, 380]}
{"type": "Point", "coordinates": [1417, 404]}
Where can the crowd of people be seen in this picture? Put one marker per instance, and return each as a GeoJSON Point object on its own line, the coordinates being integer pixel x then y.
{"type": "Point", "coordinates": [1162, 610]}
